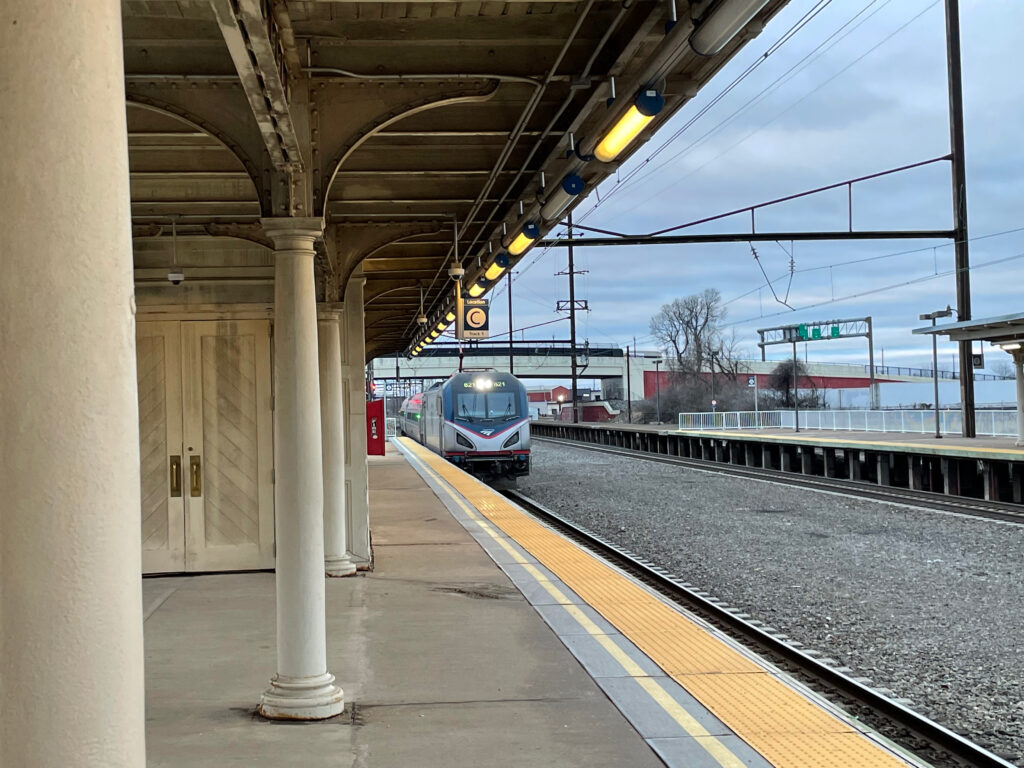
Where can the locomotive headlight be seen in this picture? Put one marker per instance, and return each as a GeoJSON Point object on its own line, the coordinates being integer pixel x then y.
{"type": "Point", "coordinates": [483, 383]}
{"type": "Point", "coordinates": [512, 440]}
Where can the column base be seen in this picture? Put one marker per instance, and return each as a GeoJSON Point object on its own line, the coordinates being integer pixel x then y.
{"type": "Point", "coordinates": [302, 698]}
{"type": "Point", "coordinates": [339, 566]}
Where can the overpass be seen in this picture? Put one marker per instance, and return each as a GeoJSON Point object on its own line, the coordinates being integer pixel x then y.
{"type": "Point", "coordinates": [551, 360]}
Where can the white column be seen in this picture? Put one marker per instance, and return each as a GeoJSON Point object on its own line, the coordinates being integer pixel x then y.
{"type": "Point", "coordinates": [1018, 365]}
{"type": "Point", "coordinates": [302, 689]}
{"type": "Point", "coordinates": [356, 473]}
{"type": "Point", "coordinates": [337, 561]}
{"type": "Point", "coordinates": [71, 660]}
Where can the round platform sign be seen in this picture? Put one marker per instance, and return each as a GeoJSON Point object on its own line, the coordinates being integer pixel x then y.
{"type": "Point", "coordinates": [476, 317]}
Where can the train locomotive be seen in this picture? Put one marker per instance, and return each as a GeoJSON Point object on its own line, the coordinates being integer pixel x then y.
{"type": "Point", "coordinates": [479, 421]}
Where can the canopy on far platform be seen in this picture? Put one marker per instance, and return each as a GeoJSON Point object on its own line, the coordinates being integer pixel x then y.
{"type": "Point", "coordinates": [1005, 332]}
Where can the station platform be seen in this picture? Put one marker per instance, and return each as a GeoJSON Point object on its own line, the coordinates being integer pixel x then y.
{"type": "Point", "coordinates": [909, 442]}
{"type": "Point", "coordinates": [988, 468]}
{"type": "Point", "coordinates": [968, 447]}
{"type": "Point", "coordinates": [480, 638]}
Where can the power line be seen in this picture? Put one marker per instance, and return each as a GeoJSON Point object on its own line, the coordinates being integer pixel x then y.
{"type": "Point", "coordinates": [882, 289]}
{"type": "Point", "coordinates": [867, 259]}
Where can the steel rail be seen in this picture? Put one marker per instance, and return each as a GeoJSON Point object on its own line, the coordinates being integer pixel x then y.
{"type": "Point", "coordinates": [1013, 513]}
{"type": "Point", "coordinates": [937, 735]}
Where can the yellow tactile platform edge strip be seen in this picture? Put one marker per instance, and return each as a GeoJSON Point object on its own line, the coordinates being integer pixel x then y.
{"type": "Point", "coordinates": [774, 719]}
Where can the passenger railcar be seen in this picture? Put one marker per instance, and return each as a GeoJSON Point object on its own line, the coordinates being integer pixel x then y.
{"type": "Point", "coordinates": [479, 421]}
{"type": "Point", "coordinates": [409, 416]}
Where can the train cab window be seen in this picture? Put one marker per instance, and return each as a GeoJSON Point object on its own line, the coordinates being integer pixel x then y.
{"type": "Point", "coordinates": [486, 406]}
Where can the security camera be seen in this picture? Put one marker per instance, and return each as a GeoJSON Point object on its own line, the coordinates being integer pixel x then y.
{"type": "Point", "coordinates": [176, 277]}
{"type": "Point", "coordinates": [455, 271]}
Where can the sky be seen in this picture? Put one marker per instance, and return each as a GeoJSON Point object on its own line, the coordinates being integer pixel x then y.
{"type": "Point", "coordinates": [826, 106]}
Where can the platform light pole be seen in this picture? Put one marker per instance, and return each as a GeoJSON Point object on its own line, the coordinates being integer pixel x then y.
{"type": "Point", "coordinates": [935, 360]}
{"type": "Point", "coordinates": [796, 391]}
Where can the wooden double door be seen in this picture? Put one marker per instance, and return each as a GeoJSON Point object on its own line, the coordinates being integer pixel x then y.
{"type": "Point", "coordinates": [206, 438]}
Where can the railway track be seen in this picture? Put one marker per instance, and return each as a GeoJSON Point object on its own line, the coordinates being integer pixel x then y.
{"type": "Point", "coordinates": [913, 731]}
{"type": "Point", "coordinates": [1013, 513]}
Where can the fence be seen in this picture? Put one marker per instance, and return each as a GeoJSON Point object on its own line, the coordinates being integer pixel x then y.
{"type": "Point", "coordinates": [994, 423]}
{"type": "Point", "coordinates": [731, 420]}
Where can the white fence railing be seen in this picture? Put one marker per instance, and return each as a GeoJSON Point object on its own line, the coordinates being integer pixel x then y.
{"type": "Point", "coordinates": [731, 420]}
{"type": "Point", "coordinates": [994, 423]}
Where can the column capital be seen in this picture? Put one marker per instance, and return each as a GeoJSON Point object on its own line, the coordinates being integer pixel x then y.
{"type": "Point", "coordinates": [330, 310]}
{"type": "Point", "coordinates": [293, 233]}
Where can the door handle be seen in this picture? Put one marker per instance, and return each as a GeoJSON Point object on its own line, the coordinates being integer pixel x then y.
{"type": "Point", "coordinates": [195, 474]}
{"type": "Point", "coordinates": [175, 475]}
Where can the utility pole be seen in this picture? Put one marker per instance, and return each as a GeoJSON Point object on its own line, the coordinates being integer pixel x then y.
{"type": "Point", "coordinates": [959, 174]}
{"type": "Point", "coordinates": [572, 328]}
{"type": "Point", "coordinates": [511, 360]}
{"type": "Point", "coordinates": [572, 305]}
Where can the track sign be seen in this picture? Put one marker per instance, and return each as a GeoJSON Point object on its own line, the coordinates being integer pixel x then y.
{"type": "Point", "coordinates": [475, 318]}
{"type": "Point", "coordinates": [751, 381]}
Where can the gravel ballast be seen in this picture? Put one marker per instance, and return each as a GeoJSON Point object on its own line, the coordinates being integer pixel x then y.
{"type": "Point", "coordinates": [929, 605]}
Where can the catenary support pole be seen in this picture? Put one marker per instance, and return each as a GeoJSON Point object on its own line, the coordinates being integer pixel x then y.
{"type": "Point", "coordinates": [337, 560]}
{"type": "Point", "coordinates": [71, 656]}
{"type": "Point", "coordinates": [935, 379]}
{"type": "Point", "coordinates": [959, 176]}
{"type": "Point", "coordinates": [302, 689]}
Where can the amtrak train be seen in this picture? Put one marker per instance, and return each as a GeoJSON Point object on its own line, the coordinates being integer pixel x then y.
{"type": "Point", "coordinates": [479, 421]}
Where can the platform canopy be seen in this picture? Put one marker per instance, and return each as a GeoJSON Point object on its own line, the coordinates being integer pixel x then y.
{"type": "Point", "coordinates": [1002, 330]}
{"type": "Point", "coordinates": [396, 122]}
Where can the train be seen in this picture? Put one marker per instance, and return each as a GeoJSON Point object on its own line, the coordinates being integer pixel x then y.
{"type": "Point", "coordinates": [477, 420]}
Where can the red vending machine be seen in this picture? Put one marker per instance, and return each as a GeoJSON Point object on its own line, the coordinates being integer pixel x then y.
{"type": "Point", "coordinates": [375, 441]}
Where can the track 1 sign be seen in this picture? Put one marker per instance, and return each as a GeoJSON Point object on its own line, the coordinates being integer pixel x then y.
{"type": "Point", "coordinates": [475, 318]}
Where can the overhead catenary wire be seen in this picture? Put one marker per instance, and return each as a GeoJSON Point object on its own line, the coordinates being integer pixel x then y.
{"type": "Point", "coordinates": [882, 289]}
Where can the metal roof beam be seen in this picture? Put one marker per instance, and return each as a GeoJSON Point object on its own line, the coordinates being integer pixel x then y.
{"type": "Point", "coordinates": [253, 41]}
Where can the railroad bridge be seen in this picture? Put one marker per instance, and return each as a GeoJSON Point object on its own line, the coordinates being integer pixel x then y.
{"type": "Point", "coordinates": [215, 212]}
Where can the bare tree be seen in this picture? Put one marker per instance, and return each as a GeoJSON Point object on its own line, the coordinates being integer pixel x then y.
{"type": "Point", "coordinates": [690, 329]}
{"type": "Point", "coordinates": [1002, 368]}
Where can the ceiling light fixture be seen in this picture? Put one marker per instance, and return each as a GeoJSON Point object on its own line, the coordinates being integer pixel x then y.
{"type": "Point", "coordinates": [648, 103]}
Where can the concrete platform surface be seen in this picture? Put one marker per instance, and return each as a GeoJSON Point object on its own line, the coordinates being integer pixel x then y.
{"type": "Point", "coordinates": [442, 661]}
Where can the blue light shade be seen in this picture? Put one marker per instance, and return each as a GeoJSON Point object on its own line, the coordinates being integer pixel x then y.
{"type": "Point", "coordinates": [649, 102]}
{"type": "Point", "coordinates": [572, 184]}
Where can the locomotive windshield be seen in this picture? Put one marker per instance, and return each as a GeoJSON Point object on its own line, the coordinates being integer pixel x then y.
{"type": "Point", "coordinates": [480, 406]}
